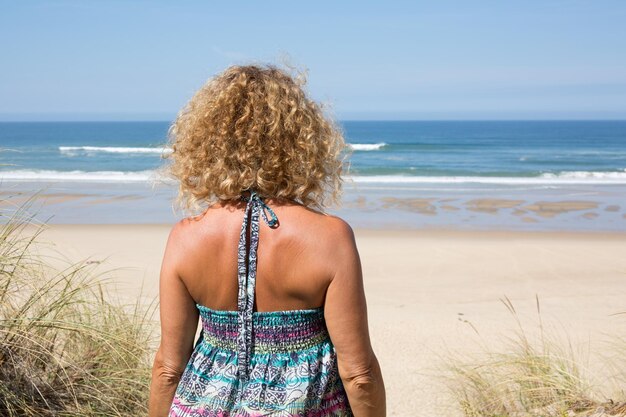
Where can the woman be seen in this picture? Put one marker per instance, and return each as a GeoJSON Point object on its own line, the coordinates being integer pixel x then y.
{"type": "Point", "coordinates": [284, 323]}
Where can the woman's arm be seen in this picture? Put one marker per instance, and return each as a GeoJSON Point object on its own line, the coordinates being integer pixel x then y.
{"type": "Point", "coordinates": [179, 321]}
{"type": "Point", "coordinates": [346, 318]}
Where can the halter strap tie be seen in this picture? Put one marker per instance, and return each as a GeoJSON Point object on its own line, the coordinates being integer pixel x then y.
{"type": "Point", "coordinates": [246, 273]}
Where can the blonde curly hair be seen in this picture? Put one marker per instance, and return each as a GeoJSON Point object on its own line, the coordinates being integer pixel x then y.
{"type": "Point", "coordinates": [253, 127]}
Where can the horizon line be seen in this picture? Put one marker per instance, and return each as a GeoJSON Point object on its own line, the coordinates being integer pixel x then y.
{"type": "Point", "coordinates": [339, 120]}
{"type": "Point", "coordinates": [347, 116]}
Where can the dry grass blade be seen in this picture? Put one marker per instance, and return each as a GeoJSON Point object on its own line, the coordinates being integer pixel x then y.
{"type": "Point", "coordinates": [66, 348]}
{"type": "Point", "coordinates": [538, 376]}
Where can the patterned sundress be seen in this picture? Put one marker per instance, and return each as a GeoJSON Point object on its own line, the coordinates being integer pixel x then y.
{"type": "Point", "coordinates": [247, 363]}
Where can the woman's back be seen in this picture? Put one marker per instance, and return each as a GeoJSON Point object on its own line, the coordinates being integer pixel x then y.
{"type": "Point", "coordinates": [279, 362]}
{"type": "Point", "coordinates": [295, 260]}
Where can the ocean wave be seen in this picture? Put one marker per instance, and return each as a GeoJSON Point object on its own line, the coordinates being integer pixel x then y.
{"type": "Point", "coordinates": [367, 146]}
{"type": "Point", "coordinates": [572, 177]}
{"type": "Point", "coordinates": [165, 150]}
{"type": "Point", "coordinates": [112, 149]}
{"type": "Point", "coordinates": [69, 176]}
{"type": "Point", "coordinates": [564, 178]}
{"type": "Point", "coordinates": [586, 175]}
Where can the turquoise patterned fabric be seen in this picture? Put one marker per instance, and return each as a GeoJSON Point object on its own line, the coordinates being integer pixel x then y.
{"type": "Point", "coordinates": [247, 363]}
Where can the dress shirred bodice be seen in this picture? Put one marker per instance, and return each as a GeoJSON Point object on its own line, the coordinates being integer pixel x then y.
{"type": "Point", "coordinates": [249, 363]}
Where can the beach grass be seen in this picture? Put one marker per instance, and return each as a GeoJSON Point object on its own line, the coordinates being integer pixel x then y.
{"type": "Point", "coordinates": [536, 374]}
{"type": "Point", "coordinates": [67, 348]}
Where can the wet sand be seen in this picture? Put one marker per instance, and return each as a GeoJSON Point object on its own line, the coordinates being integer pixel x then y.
{"type": "Point", "coordinates": [398, 207]}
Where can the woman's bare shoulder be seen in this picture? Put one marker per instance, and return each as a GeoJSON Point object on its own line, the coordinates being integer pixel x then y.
{"type": "Point", "coordinates": [334, 230]}
{"type": "Point", "coordinates": [339, 227]}
{"type": "Point", "coordinates": [299, 221]}
{"type": "Point", "coordinates": [184, 232]}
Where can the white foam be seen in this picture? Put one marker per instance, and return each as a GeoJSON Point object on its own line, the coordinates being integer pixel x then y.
{"type": "Point", "coordinates": [80, 176]}
{"type": "Point", "coordinates": [112, 149]}
{"type": "Point", "coordinates": [367, 146]}
{"type": "Point", "coordinates": [165, 150]}
{"type": "Point", "coordinates": [585, 175]}
{"type": "Point", "coordinates": [574, 177]}
{"type": "Point", "coordinates": [565, 178]}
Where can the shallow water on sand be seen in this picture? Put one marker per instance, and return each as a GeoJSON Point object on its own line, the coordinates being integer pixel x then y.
{"type": "Point", "coordinates": [394, 206]}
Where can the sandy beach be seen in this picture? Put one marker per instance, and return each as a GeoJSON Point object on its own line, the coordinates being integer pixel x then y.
{"type": "Point", "coordinates": [482, 149]}
{"type": "Point", "coordinates": [429, 292]}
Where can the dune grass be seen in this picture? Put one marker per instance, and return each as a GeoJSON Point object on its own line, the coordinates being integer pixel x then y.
{"type": "Point", "coordinates": [538, 375]}
{"type": "Point", "coordinates": [66, 348]}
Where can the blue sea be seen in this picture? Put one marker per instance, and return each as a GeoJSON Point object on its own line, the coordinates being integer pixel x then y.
{"type": "Point", "coordinates": [533, 152]}
{"type": "Point", "coordinates": [442, 163]}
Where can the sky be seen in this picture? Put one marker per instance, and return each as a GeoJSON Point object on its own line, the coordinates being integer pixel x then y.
{"type": "Point", "coordinates": [384, 60]}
